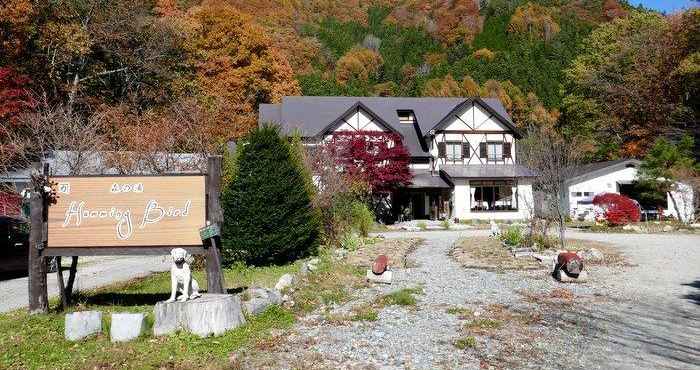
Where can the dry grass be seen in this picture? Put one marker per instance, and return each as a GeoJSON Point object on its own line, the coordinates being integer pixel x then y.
{"type": "Point", "coordinates": [397, 250]}
{"type": "Point", "coordinates": [489, 254]}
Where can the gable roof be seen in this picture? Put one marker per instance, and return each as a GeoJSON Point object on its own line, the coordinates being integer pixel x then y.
{"type": "Point", "coordinates": [312, 115]}
{"type": "Point", "coordinates": [596, 169]}
{"type": "Point", "coordinates": [340, 120]}
{"type": "Point", "coordinates": [493, 107]}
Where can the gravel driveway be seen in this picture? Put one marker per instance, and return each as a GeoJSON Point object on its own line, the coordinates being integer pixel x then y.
{"type": "Point", "coordinates": [645, 316]}
{"type": "Point", "coordinates": [93, 272]}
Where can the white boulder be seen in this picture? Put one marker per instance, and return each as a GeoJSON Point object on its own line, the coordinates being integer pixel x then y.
{"type": "Point", "coordinates": [127, 326]}
{"type": "Point", "coordinates": [79, 325]}
{"type": "Point", "coordinates": [285, 281]}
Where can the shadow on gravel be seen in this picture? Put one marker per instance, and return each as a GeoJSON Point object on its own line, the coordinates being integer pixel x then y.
{"type": "Point", "coordinates": [641, 335]}
{"type": "Point", "coordinates": [693, 297]}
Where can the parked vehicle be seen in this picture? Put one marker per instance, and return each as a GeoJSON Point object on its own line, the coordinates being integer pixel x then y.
{"type": "Point", "coordinates": [14, 244]}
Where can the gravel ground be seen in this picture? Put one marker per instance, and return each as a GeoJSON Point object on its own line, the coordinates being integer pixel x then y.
{"type": "Point", "coordinates": [639, 316]}
{"type": "Point", "coordinates": [93, 272]}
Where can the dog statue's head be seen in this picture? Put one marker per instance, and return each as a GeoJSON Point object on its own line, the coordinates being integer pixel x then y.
{"type": "Point", "coordinates": [179, 256]}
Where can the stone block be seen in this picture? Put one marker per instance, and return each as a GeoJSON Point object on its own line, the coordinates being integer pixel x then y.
{"type": "Point", "coordinates": [284, 281]}
{"type": "Point", "coordinates": [79, 325]}
{"type": "Point", "coordinates": [212, 314]}
{"type": "Point", "coordinates": [564, 278]}
{"type": "Point", "coordinates": [127, 326]}
{"type": "Point", "coordinates": [384, 278]}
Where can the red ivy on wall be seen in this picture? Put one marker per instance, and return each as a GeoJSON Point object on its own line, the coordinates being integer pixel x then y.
{"type": "Point", "coordinates": [619, 209]}
{"type": "Point", "coordinates": [377, 158]}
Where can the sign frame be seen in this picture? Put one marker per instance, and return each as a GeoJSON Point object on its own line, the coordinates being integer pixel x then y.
{"type": "Point", "coordinates": [39, 236]}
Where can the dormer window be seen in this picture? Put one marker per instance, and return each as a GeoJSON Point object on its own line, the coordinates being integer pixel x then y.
{"type": "Point", "coordinates": [406, 117]}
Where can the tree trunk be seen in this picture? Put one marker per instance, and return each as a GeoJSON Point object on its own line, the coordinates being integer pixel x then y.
{"type": "Point", "coordinates": [71, 278]}
{"type": "Point", "coordinates": [675, 207]}
{"type": "Point", "coordinates": [562, 230]}
{"type": "Point", "coordinates": [61, 287]}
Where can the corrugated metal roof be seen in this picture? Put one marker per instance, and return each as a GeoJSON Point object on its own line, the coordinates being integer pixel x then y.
{"type": "Point", "coordinates": [487, 171]}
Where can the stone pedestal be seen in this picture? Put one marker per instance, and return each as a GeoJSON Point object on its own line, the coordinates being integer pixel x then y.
{"type": "Point", "coordinates": [211, 314]}
{"type": "Point", "coordinates": [564, 278]}
{"type": "Point", "coordinates": [79, 325]}
{"type": "Point", "coordinates": [126, 326]}
{"type": "Point", "coordinates": [384, 278]}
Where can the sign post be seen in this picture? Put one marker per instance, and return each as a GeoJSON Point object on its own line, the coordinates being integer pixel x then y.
{"type": "Point", "coordinates": [38, 293]}
{"type": "Point", "coordinates": [215, 278]}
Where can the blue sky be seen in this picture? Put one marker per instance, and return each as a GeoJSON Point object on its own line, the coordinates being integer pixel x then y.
{"type": "Point", "coordinates": [668, 6]}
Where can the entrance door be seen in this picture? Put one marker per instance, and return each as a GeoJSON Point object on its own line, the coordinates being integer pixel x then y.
{"type": "Point", "coordinates": [418, 202]}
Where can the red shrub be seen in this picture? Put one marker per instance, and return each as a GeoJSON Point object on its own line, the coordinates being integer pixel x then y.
{"type": "Point", "coordinates": [619, 209]}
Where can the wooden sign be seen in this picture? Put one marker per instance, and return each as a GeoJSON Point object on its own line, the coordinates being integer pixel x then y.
{"type": "Point", "coordinates": [127, 211]}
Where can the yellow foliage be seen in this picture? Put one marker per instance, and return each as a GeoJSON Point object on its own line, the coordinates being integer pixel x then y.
{"type": "Point", "coordinates": [534, 20]}
{"type": "Point", "coordinates": [65, 41]}
{"type": "Point", "coordinates": [469, 87]}
{"type": "Point", "coordinates": [442, 87]}
{"type": "Point", "coordinates": [359, 63]}
{"type": "Point", "coordinates": [434, 59]}
{"type": "Point", "coordinates": [484, 54]}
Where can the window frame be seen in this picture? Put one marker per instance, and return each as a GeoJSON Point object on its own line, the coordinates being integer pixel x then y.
{"type": "Point", "coordinates": [448, 153]}
{"type": "Point", "coordinates": [476, 200]}
{"type": "Point", "coordinates": [488, 151]}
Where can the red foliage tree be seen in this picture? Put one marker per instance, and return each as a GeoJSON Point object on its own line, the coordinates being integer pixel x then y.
{"type": "Point", "coordinates": [377, 158]}
{"type": "Point", "coordinates": [15, 96]}
{"type": "Point", "coordinates": [619, 209]}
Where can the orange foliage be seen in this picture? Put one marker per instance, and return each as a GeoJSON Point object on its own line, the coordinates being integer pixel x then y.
{"type": "Point", "coordinates": [15, 17]}
{"type": "Point", "coordinates": [612, 9]}
{"type": "Point", "coordinates": [534, 20]}
{"type": "Point", "coordinates": [484, 54]}
{"type": "Point", "coordinates": [236, 65]}
{"type": "Point", "coordinates": [469, 86]}
{"type": "Point", "coordinates": [358, 63]}
{"type": "Point", "coordinates": [449, 21]}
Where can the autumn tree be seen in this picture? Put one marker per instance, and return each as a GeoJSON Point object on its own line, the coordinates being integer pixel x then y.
{"type": "Point", "coordinates": [622, 93]}
{"type": "Point", "coordinates": [236, 65]}
{"type": "Point", "coordinates": [535, 21]}
{"type": "Point", "coordinates": [361, 64]}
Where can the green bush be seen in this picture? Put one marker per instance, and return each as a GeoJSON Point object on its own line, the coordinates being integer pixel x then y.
{"type": "Point", "coordinates": [422, 225]}
{"type": "Point", "coordinates": [362, 218]}
{"type": "Point", "coordinates": [513, 236]}
{"type": "Point", "coordinates": [350, 241]}
{"type": "Point", "coordinates": [446, 223]}
{"type": "Point", "coordinates": [542, 242]}
{"type": "Point", "coordinates": [350, 215]}
{"type": "Point", "coordinates": [268, 216]}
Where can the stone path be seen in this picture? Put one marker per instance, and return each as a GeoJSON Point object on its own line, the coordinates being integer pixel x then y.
{"type": "Point", "coordinates": [650, 321]}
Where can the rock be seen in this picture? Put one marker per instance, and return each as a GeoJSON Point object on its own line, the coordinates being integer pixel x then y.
{"type": "Point", "coordinates": [313, 264]}
{"type": "Point", "coordinates": [340, 253]}
{"type": "Point", "coordinates": [256, 306]}
{"type": "Point", "coordinates": [695, 226]}
{"type": "Point", "coordinates": [384, 278]}
{"type": "Point", "coordinates": [668, 228]}
{"type": "Point", "coordinates": [212, 314]}
{"type": "Point", "coordinates": [410, 228]}
{"type": "Point", "coordinates": [127, 326]}
{"type": "Point", "coordinates": [304, 269]}
{"type": "Point", "coordinates": [285, 281]}
{"type": "Point", "coordinates": [522, 252]}
{"type": "Point", "coordinates": [79, 325]}
{"type": "Point", "coordinates": [634, 228]}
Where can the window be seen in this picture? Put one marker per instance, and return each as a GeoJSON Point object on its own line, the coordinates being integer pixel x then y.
{"type": "Point", "coordinates": [587, 193]}
{"type": "Point", "coordinates": [497, 195]}
{"type": "Point", "coordinates": [576, 194]}
{"type": "Point", "coordinates": [406, 117]}
{"type": "Point", "coordinates": [495, 151]}
{"type": "Point", "coordinates": [454, 150]}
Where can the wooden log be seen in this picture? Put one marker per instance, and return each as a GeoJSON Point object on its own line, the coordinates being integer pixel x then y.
{"type": "Point", "coordinates": [215, 279]}
{"type": "Point", "coordinates": [38, 293]}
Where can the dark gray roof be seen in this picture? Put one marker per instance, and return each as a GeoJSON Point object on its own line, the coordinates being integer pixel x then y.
{"type": "Point", "coordinates": [486, 171]}
{"type": "Point", "coordinates": [425, 179]}
{"type": "Point", "coordinates": [312, 115]}
{"type": "Point", "coordinates": [595, 169]}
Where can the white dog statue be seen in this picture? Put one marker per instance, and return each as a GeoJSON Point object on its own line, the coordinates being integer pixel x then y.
{"type": "Point", "coordinates": [181, 279]}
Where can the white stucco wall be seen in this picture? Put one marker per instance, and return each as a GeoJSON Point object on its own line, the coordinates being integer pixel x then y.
{"type": "Point", "coordinates": [462, 203]}
{"type": "Point", "coordinates": [608, 183]}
